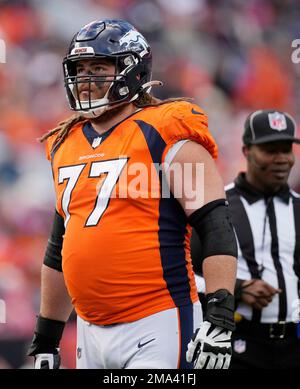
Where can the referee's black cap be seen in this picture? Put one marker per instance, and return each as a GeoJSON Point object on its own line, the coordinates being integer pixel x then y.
{"type": "Point", "coordinates": [269, 125]}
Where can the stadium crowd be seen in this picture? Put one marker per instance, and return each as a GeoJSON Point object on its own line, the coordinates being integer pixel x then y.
{"type": "Point", "coordinates": [232, 57]}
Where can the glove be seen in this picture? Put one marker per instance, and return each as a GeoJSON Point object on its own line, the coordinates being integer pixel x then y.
{"type": "Point", "coordinates": [47, 361]}
{"type": "Point", "coordinates": [210, 346]}
{"type": "Point", "coordinates": [44, 347]}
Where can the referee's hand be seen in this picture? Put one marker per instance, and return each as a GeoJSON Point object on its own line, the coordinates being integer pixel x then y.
{"type": "Point", "coordinates": [258, 293]}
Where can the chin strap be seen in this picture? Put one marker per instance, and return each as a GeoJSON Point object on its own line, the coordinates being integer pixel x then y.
{"type": "Point", "coordinates": [93, 113]}
{"type": "Point", "coordinates": [147, 86]}
{"type": "Point", "coordinates": [151, 83]}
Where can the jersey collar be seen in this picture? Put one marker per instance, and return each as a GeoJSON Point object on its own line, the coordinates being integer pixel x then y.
{"type": "Point", "coordinates": [252, 195]}
{"type": "Point", "coordinates": [91, 134]}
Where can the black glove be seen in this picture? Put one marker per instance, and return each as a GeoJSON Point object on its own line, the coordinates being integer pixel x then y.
{"type": "Point", "coordinates": [45, 343]}
{"type": "Point", "coordinates": [210, 346]}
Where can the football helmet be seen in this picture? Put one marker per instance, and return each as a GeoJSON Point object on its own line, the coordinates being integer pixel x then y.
{"type": "Point", "coordinates": [119, 42]}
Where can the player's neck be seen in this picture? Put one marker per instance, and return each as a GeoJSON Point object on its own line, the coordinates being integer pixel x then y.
{"type": "Point", "coordinates": [106, 121]}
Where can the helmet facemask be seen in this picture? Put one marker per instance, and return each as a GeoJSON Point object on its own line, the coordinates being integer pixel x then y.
{"type": "Point", "coordinates": [123, 86]}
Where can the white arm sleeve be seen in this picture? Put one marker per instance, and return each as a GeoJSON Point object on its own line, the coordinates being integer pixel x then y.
{"type": "Point", "coordinates": [173, 151]}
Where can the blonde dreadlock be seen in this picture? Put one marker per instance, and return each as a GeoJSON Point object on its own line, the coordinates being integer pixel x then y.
{"type": "Point", "coordinates": [147, 100]}
{"type": "Point", "coordinates": [64, 127]}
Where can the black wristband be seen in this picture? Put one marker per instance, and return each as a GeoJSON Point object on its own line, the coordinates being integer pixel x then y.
{"type": "Point", "coordinates": [220, 309]}
{"type": "Point", "coordinates": [47, 336]}
{"type": "Point", "coordinates": [50, 328]}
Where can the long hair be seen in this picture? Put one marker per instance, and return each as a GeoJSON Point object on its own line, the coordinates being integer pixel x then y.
{"type": "Point", "coordinates": [64, 127]}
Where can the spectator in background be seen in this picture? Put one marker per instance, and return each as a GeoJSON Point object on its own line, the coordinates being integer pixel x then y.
{"type": "Point", "coordinates": [231, 55]}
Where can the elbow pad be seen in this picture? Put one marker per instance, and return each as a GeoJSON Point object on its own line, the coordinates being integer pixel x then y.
{"type": "Point", "coordinates": [212, 222]}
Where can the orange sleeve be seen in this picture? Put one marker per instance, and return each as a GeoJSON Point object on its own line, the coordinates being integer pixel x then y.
{"type": "Point", "coordinates": [187, 121]}
{"type": "Point", "coordinates": [48, 146]}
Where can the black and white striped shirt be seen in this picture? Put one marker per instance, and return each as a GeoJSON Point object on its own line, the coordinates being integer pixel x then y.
{"type": "Point", "coordinates": [268, 234]}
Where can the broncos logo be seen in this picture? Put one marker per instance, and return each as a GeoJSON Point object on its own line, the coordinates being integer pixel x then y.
{"type": "Point", "coordinates": [133, 40]}
{"type": "Point", "coordinates": [91, 30]}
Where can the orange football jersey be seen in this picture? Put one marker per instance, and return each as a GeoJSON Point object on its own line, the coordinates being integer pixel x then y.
{"type": "Point", "coordinates": [126, 251]}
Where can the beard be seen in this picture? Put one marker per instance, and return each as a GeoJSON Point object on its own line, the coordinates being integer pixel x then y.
{"type": "Point", "coordinates": [111, 113]}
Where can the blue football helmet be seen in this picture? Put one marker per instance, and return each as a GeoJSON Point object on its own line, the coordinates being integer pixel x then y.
{"type": "Point", "coordinates": [119, 42]}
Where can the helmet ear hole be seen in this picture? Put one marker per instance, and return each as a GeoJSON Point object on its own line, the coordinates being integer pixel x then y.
{"type": "Point", "coordinates": [123, 91]}
{"type": "Point", "coordinates": [128, 61]}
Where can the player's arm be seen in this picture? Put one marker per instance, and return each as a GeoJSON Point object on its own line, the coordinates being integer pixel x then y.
{"type": "Point", "coordinates": [219, 264]}
{"type": "Point", "coordinates": [207, 212]}
{"type": "Point", "coordinates": [56, 305]}
{"type": "Point", "coordinates": [55, 300]}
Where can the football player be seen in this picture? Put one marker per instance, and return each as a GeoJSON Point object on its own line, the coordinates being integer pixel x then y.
{"type": "Point", "coordinates": [119, 252]}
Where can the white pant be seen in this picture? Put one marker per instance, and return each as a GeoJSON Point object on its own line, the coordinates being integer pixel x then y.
{"type": "Point", "coordinates": [157, 341]}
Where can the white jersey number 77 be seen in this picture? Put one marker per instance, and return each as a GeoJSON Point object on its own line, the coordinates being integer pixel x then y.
{"type": "Point", "coordinates": [112, 169]}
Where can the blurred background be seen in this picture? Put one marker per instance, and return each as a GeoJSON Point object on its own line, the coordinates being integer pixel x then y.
{"type": "Point", "coordinates": [231, 56]}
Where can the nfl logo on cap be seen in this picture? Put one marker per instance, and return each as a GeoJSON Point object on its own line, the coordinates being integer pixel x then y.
{"type": "Point", "coordinates": [239, 346]}
{"type": "Point", "coordinates": [277, 121]}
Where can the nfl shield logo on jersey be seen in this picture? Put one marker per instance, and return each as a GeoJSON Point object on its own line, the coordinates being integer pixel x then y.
{"type": "Point", "coordinates": [78, 352]}
{"type": "Point", "coordinates": [277, 121]}
{"type": "Point", "coordinates": [239, 346]}
{"type": "Point", "coordinates": [96, 142]}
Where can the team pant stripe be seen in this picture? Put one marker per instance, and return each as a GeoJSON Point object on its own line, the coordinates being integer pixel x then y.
{"type": "Point", "coordinates": [185, 333]}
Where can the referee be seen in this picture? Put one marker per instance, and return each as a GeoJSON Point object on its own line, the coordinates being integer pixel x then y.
{"type": "Point", "coordinates": [266, 217]}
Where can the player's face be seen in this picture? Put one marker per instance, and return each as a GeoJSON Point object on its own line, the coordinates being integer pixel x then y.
{"type": "Point", "coordinates": [97, 89]}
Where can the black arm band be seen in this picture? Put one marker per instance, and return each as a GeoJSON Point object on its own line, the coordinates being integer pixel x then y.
{"type": "Point", "coordinates": [220, 309]}
{"type": "Point", "coordinates": [212, 222]}
{"type": "Point", "coordinates": [47, 336]}
{"type": "Point", "coordinates": [53, 257]}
